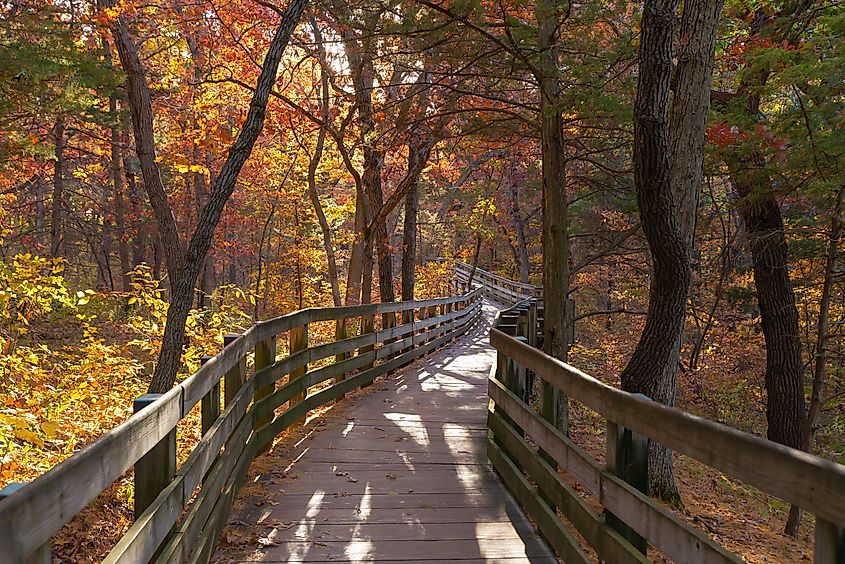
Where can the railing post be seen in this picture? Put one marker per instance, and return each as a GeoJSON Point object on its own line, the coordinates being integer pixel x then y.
{"type": "Point", "coordinates": [388, 321]}
{"type": "Point", "coordinates": [235, 377]}
{"type": "Point", "coordinates": [627, 457]}
{"type": "Point", "coordinates": [432, 313]}
{"type": "Point", "coordinates": [829, 543]}
{"type": "Point", "coordinates": [210, 404]}
{"type": "Point", "coordinates": [340, 333]}
{"type": "Point", "coordinates": [368, 325]}
{"type": "Point", "coordinates": [408, 319]}
{"type": "Point", "coordinates": [155, 470]}
{"type": "Point", "coordinates": [44, 553]}
{"type": "Point", "coordinates": [299, 342]}
{"type": "Point", "coordinates": [265, 355]}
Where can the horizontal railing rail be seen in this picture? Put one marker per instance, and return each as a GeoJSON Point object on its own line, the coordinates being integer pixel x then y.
{"type": "Point", "coordinates": [185, 508]}
{"type": "Point", "coordinates": [498, 288]}
{"type": "Point", "coordinates": [526, 449]}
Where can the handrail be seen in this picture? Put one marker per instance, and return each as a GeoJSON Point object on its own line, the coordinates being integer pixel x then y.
{"type": "Point", "coordinates": [813, 483]}
{"type": "Point", "coordinates": [525, 286]}
{"type": "Point", "coordinates": [498, 288]}
{"type": "Point", "coordinates": [181, 524]}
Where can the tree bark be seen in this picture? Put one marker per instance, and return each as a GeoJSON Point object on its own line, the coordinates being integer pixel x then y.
{"type": "Point", "coordinates": [184, 273]}
{"type": "Point", "coordinates": [139, 238]}
{"type": "Point", "coordinates": [313, 195]}
{"type": "Point", "coordinates": [555, 214]}
{"type": "Point", "coordinates": [409, 231]}
{"type": "Point", "coordinates": [760, 212]}
{"type": "Point", "coordinates": [814, 409]}
{"type": "Point", "coordinates": [57, 231]}
{"type": "Point", "coordinates": [656, 350]}
{"type": "Point", "coordinates": [519, 228]}
{"type": "Point", "coordinates": [692, 83]}
{"type": "Point", "coordinates": [141, 111]}
{"type": "Point", "coordinates": [119, 201]}
{"type": "Point", "coordinates": [767, 242]}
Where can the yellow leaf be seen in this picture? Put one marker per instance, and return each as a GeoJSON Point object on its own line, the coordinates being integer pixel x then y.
{"type": "Point", "coordinates": [49, 428]}
{"type": "Point", "coordinates": [28, 436]}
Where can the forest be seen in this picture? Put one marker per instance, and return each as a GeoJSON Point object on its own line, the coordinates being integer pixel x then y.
{"type": "Point", "coordinates": [671, 173]}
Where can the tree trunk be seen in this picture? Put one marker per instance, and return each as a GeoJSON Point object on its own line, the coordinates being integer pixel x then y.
{"type": "Point", "coordinates": [313, 195]}
{"type": "Point", "coordinates": [40, 195]}
{"type": "Point", "coordinates": [656, 353]}
{"type": "Point", "coordinates": [260, 268]}
{"type": "Point", "coordinates": [139, 238]}
{"type": "Point", "coordinates": [409, 232]}
{"type": "Point", "coordinates": [764, 228]}
{"type": "Point", "coordinates": [119, 202]}
{"type": "Point", "coordinates": [760, 212]}
{"type": "Point", "coordinates": [354, 280]}
{"type": "Point", "coordinates": [57, 231]}
{"type": "Point", "coordinates": [184, 271]}
{"type": "Point", "coordinates": [105, 281]}
{"type": "Point", "coordinates": [822, 341]}
{"type": "Point", "coordinates": [140, 105]}
{"type": "Point", "coordinates": [555, 221]}
{"type": "Point", "coordinates": [690, 105]}
{"type": "Point", "coordinates": [519, 227]}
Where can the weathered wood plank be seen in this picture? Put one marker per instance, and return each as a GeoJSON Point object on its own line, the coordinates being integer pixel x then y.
{"type": "Point", "coordinates": [30, 516]}
{"type": "Point", "coordinates": [191, 525]}
{"type": "Point", "coordinates": [676, 538]}
{"type": "Point", "coordinates": [565, 545]}
{"type": "Point", "coordinates": [808, 481]}
{"type": "Point", "coordinates": [144, 537]}
{"type": "Point", "coordinates": [608, 544]}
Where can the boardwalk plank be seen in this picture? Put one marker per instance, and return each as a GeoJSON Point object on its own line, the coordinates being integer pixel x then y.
{"type": "Point", "coordinates": [398, 475]}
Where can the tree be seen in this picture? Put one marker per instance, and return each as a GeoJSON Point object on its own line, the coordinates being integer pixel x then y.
{"type": "Point", "coordinates": [655, 351]}
{"type": "Point", "coordinates": [184, 266]}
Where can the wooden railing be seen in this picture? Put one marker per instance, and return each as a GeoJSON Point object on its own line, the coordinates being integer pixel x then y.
{"type": "Point", "coordinates": [497, 288]}
{"type": "Point", "coordinates": [526, 450]}
{"type": "Point", "coordinates": [181, 512]}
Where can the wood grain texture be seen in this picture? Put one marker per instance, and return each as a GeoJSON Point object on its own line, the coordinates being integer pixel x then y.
{"type": "Point", "coordinates": [677, 539]}
{"type": "Point", "coordinates": [809, 481]}
{"type": "Point", "coordinates": [398, 474]}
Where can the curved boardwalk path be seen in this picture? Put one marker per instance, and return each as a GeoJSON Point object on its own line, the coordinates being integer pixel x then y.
{"type": "Point", "coordinates": [397, 475]}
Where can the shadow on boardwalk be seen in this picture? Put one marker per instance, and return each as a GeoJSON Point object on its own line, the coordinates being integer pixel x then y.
{"type": "Point", "coordinates": [396, 475]}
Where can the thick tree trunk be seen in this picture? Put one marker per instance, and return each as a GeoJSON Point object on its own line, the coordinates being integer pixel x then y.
{"type": "Point", "coordinates": [760, 212]}
{"type": "Point", "coordinates": [656, 350]}
{"type": "Point", "coordinates": [692, 82]}
{"type": "Point", "coordinates": [555, 215]}
{"type": "Point", "coordinates": [140, 105]}
{"type": "Point", "coordinates": [785, 409]}
{"type": "Point", "coordinates": [814, 409]}
{"type": "Point", "coordinates": [57, 231]}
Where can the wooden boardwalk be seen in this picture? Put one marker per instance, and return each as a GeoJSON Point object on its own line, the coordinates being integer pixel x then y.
{"type": "Point", "coordinates": [397, 475]}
